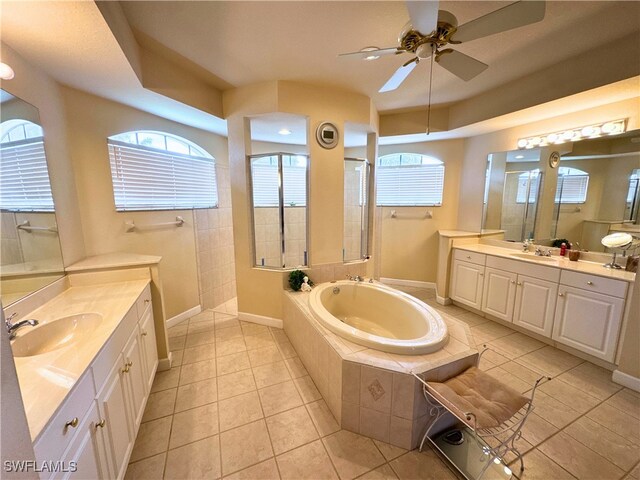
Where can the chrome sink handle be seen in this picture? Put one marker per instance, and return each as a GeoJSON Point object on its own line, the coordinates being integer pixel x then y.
{"type": "Point", "coordinates": [13, 327]}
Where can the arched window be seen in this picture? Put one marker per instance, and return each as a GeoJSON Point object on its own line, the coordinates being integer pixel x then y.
{"type": "Point", "coordinates": [409, 179]}
{"type": "Point", "coordinates": [25, 180]}
{"type": "Point", "coordinates": [572, 185]}
{"type": "Point", "coordinates": [160, 171]}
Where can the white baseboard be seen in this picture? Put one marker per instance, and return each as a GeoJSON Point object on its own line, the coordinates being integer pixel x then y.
{"type": "Point", "coordinates": [443, 300]}
{"type": "Point", "coordinates": [626, 380]}
{"type": "Point", "coordinates": [260, 319]}
{"type": "Point", "coordinates": [183, 316]}
{"type": "Point", "coordinates": [407, 283]}
{"type": "Point", "coordinates": [164, 364]}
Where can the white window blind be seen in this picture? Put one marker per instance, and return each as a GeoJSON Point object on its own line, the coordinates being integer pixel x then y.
{"type": "Point", "coordinates": [150, 179]}
{"type": "Point", "coordinates": [265, 184]}
{"type": "Point", "coordinates": [24, 183]}
{"type": "Point", "coordinates": [572, 189]}
{"type": "Point", "coordinates": [410, 185]}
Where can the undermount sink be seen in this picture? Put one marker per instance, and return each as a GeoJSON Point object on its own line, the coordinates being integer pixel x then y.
{"type": "Point", "coordinates": [55, 334]}
{"type": "Point", "coordinates": [535, 258]}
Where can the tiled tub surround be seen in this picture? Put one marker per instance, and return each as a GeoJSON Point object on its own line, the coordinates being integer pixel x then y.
{"type": "Point", "coordinates": [368, 391]}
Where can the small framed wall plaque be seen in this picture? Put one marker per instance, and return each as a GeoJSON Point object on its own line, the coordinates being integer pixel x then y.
{"type": "Point", "coordinates": [327, 135]}
{"type": "Point", "coordinates": [554, 159]}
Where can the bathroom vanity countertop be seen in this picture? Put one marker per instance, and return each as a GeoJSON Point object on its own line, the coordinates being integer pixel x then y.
{"type": "Point", "coordinates": [113, 260]}
{"type": "Point", "coordinates": [46, 379]}
{"type": "Point", "coordinates": [581, 266]}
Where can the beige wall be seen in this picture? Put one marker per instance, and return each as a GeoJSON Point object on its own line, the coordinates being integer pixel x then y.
{"type": "Point", "coordinates": [90, 121]}
{"type": "Point", "coordinates": [408, 244]}
{"type": "Point", "coordinates": [35, 87]}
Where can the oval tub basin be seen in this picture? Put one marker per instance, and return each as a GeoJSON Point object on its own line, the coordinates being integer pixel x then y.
{"type": "Point", "coordinates": [378, 317]}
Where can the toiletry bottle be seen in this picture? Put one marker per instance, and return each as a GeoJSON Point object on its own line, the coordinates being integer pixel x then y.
{"type": "Point", "coordinates": [563, 249]}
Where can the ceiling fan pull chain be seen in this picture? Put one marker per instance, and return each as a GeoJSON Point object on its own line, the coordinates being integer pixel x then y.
{"type": "Point", "coordinates": [433, 52]}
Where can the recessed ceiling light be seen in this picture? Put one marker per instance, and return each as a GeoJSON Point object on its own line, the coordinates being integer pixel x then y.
{"type": "Point", "coordinates": [6, 72]}
{"type": "Point", "coordinates": [284, 131]}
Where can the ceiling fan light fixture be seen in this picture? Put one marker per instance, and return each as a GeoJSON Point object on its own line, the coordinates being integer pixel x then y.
{"type": "Point", "coordinates": [371, 51]}
{"type": "Point", "coordinates": [6, 72]}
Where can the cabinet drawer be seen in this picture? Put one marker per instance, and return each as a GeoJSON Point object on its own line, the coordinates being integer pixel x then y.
{"type": "Point", "coordinates": [107, 357]}
{"type": "Point", "coordinates": [144, 300]}
{"type": "Point", "coordinates": [472, 257]}
{"type": "Point", "coordinates": [529, 269]}
{"type": "Point", "coordinates": [595, 283]}
{"type": "Point", "coordinates": [56, 437]}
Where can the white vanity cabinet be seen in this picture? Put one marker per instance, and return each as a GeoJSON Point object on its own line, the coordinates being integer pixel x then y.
{"type": "Point", "coordinates": [499, 293]}
{"type": "Point", "coordinates": [117, 430]}
{"type": "Point", "coordinates": [589, 313]}
{"type": "Point", "coordinates": [581, 310]}
{"type": "Point", "coordinates": [149, 350]}
{"type": "Point", "coordinates": [468, 278]}
{"type": "Point", "coordinates": [521, 293]}
{"type": "Point", "coordinates": [535, 304]}
{"type": "Point", "coordinates": [97, 424]}
{"type": "Point", "coordinates": [87, 451]}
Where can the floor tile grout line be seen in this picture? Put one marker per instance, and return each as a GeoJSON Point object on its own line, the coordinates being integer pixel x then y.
{"type": "Point", "coordinates": [577, 440]}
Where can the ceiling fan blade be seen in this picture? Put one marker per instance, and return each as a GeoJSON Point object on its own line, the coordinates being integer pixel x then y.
{"type": "Point", "coordinates": [398, 77]}
{"type": "Point", "coordinates": [368, 53]}
{"type": "Point", "coordinates": [461, 65]}
{"type": "Point", "coordinates": [423, 15]}
{"type": "Point", "coordinates": [512, 16]}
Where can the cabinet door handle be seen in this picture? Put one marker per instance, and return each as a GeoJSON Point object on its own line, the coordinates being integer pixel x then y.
{"type": "Point", "coordinates": [519, 283]}
{"type": "Point", "coordinates": [125, 369]}
{"type": "Point", "coordinates": [589, 283]}
{"type": "Point", "coordinates": [146, 300]}
{"type": "Point", "coordinates": [481, 274]}
{"type": "Point", "coordinates": [72, 423]}
{"type": "Point", "coordinates": [513, 281]}
{"type": "Point", "coordinates": [469, 257]}
{"type": "Point", "coordinates": [101, 424]}
{"type": "Point", "coordinates": [129, 364]}
{"type": "Point", "coordinates": [561, 294]}
{"type": "Point", "coordinates": [144, 333]}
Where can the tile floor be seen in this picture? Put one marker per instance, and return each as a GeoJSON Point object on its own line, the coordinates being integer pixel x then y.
{"type": "Point", "coordinates": [238, 403]}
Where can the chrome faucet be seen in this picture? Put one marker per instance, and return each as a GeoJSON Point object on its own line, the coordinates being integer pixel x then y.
{"type": "Point", "coordinates": [13, 327]}
{"type": "Point", "coordinates": [356, 278]}
{"type": "Point", "coordinates": [526, 244]}
{"type": "Point", "coordinates": [542, 253]}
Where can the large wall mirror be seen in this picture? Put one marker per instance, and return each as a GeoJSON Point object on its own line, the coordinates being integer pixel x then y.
{"type": "Point", "coordinates": [592, 192]}
{"type": "Point", "coordinates": [30, 254]}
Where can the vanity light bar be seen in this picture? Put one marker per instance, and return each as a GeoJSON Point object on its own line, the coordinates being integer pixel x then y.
{"type": "Point", "coordinates": [614, 127]}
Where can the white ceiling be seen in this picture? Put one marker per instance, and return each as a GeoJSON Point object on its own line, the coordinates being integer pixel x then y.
{"type": "Point", "coordinates": [244, 42]}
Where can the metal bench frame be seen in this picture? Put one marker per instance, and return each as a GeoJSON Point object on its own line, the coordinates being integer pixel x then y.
{"type": "Point", "coordinates": [499, 440]}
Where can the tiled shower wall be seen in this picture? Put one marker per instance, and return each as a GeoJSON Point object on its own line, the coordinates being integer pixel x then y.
{"type": "Point", "coordinates": [214, 247]}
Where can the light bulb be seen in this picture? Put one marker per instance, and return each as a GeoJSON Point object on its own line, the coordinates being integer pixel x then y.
{"type": "Point", "coordinates": [6, 72]}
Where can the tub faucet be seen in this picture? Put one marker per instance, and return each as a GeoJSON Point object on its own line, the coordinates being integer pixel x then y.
{"type": "Point", "coordinates": [13, 327]}
{"type": "Point", "coordinates": [357, 278]}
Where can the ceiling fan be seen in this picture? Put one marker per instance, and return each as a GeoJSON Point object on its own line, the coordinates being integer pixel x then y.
{"type": "Point", "coordinates": [430, 30]}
